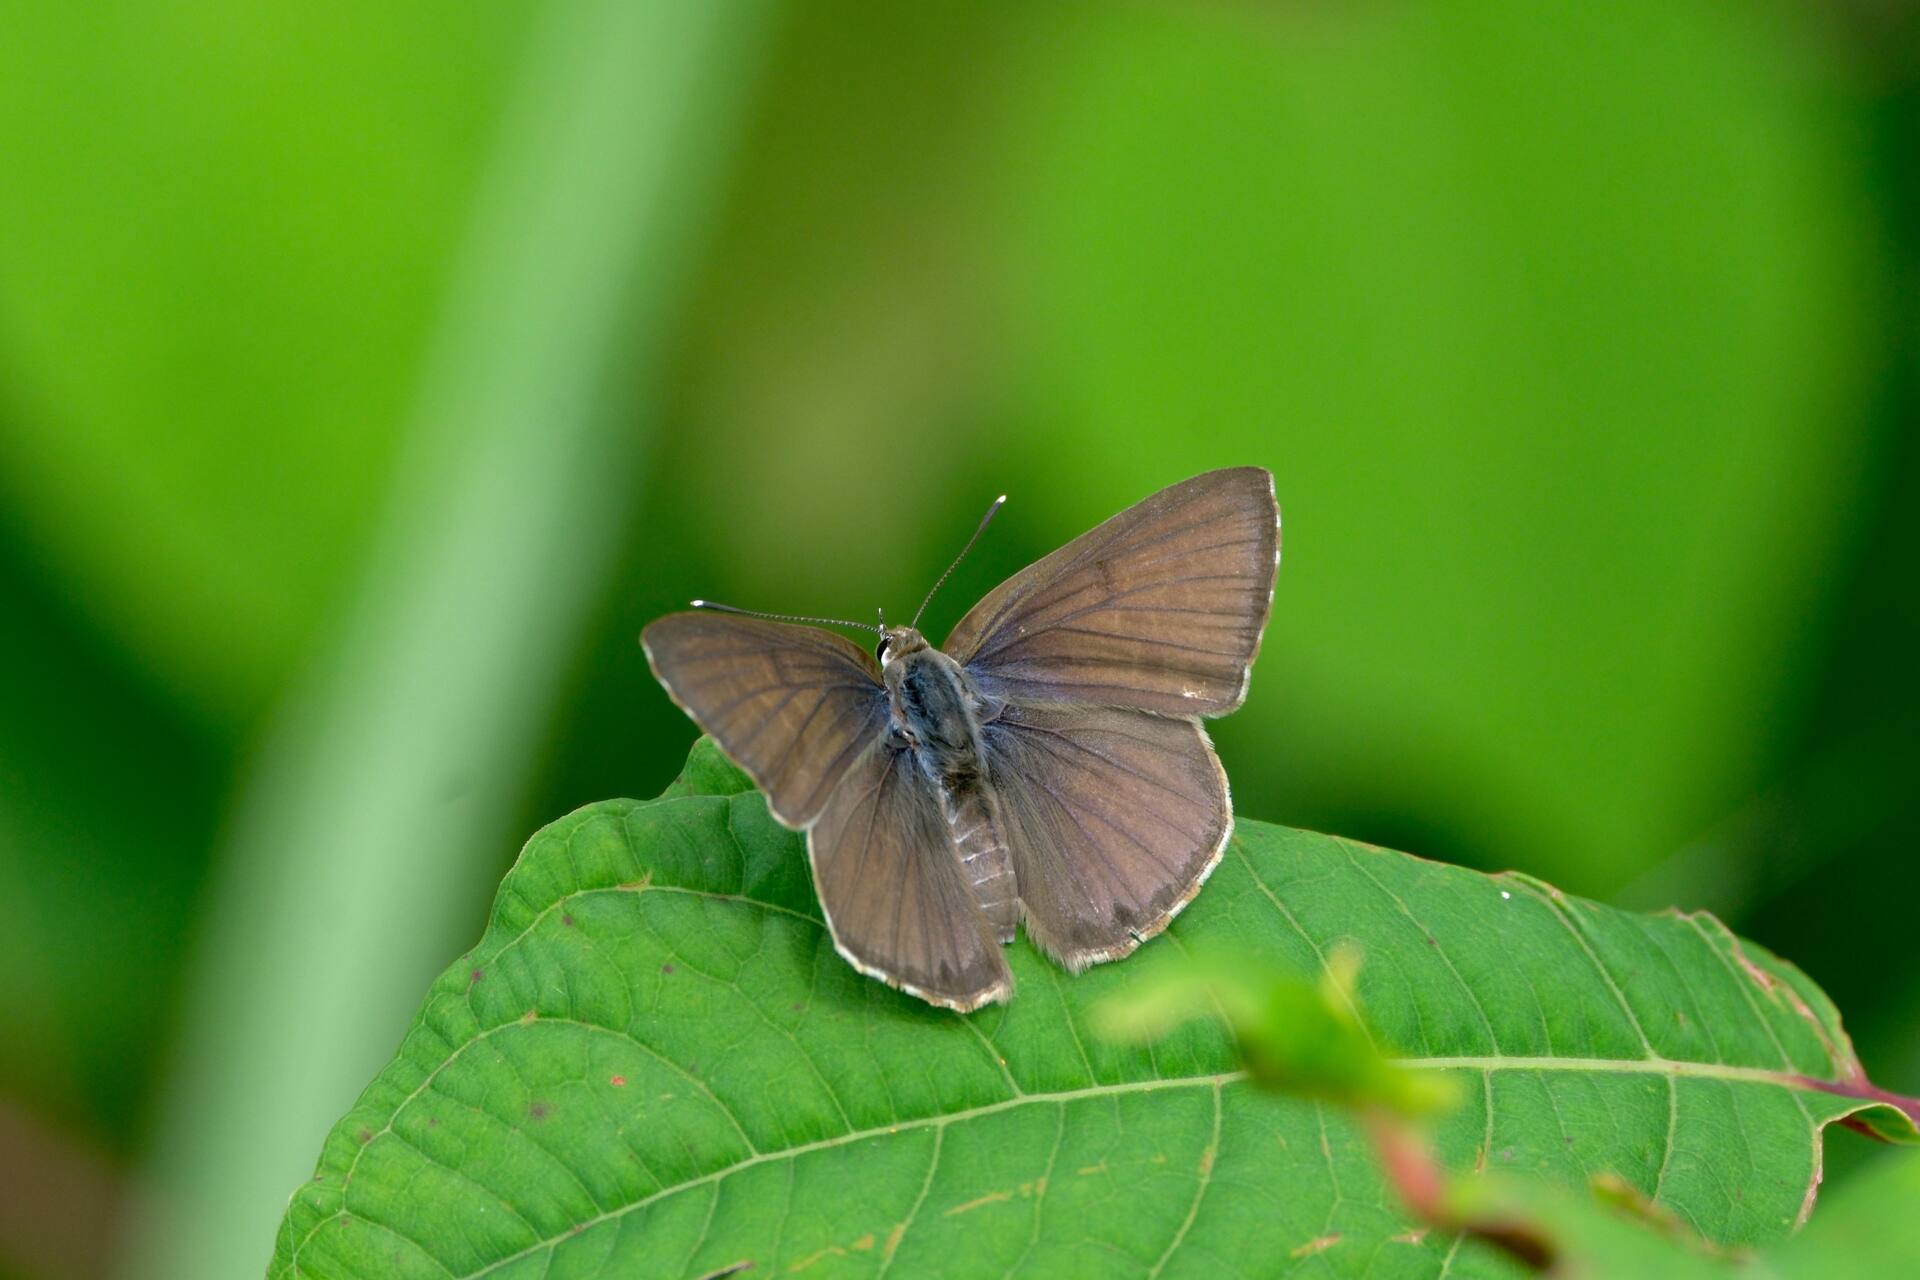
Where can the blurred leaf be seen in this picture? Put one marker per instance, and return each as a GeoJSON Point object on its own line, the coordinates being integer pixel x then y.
{"type": "Point", "coordinates": [224, 234]}
{"type": "Point", "coordinates": [1840, 805]}
{"type": "Point", "coordinates": [656, 1054]}
{"type": "Point", "coordinates": [398, 761]}
{"type": "Point", "coordinates": [1549, 320]}
{"type": "Point", "coordinates": [1864, 1231]}
{"type": "Point", "coordinates": [1867, 1228]}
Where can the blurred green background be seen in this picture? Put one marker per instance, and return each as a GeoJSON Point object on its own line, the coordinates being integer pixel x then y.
{"type": "Point", "coordinates": [370, 374]}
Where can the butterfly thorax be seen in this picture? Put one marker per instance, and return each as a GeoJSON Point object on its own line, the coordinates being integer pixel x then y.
{"type": "Point", "coordinates": [937, 713]}
{"type": "Point", "coordinates": [935, 708]}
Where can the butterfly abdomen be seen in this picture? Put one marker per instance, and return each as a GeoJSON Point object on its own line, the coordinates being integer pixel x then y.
{"type": "Point", "coordinates": [985, 863]}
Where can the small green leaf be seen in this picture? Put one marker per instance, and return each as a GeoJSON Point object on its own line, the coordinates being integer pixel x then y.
{"type": "Point", "coordinates": [1305, 1039]}
{"type": "Point", "coordinates": [1867, 1232]}
{"type": "Point", "coordinates": [654, 1063]}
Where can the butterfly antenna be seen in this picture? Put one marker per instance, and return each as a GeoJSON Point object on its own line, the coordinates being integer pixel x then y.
{"type": "Point", "coordinates": [985, 520]}
{"type": "Point", "coordinates": [783, 617]}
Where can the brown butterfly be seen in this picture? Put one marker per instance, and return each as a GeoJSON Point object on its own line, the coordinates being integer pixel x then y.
{"type": "Point", "coordinates": [1047, 765]}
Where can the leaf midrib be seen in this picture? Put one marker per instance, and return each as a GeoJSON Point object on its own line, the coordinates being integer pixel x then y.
{"type": "Point", "coordinates": [936, 1122]}
{"type": "Point", "coordinates": [1664, 1067]}
{"type": "Point", "coordinates": [1653, 1063]}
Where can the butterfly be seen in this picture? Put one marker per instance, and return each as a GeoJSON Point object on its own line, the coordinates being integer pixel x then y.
{"type": "Point", "coordinates": [1046, 766]}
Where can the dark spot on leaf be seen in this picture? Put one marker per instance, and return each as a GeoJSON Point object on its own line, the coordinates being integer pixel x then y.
{"type": "Point", "coordinates": [618, 1082]}
{"type": "Point", "coordinates": [538, 1110]}
{"type": "Point", "coordinates": [366, 1136]}
{"type": "Point", "coordinates": [567, 920]}
{"type": "Point", "coordinates": [1431, 942]}
{"type": "Point", "coordinates": [1506, 1155]}
{"type": "Point", "coordinates": [666, 968]}
{"type": "Point", "coordinates": [433, 1122]}
{"type": "Point", "coordinates": [799, 1007]}
{"type": "Point", "coordinates": [475, 976]}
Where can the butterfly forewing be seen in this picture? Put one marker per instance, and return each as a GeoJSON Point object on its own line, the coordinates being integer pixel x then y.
{"type": "Point", "coordinates": [1160, 608]}
{"type": "Point", "coordinates": [1113, 818]}
{"type": "Point", "coordinates": [890, 883]}
{"type": "Point", "coordinates": [793, 706]}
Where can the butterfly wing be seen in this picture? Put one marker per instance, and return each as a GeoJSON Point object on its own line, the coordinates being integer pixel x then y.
{"type": "Point", "coordinates": [1113, 819]}
{"type": "Point", "coordinates": [890, 884]}
{"type": "Point", "coordinates": [1161, 608]}
{"type": "Point", "coordinates": [793, 706]}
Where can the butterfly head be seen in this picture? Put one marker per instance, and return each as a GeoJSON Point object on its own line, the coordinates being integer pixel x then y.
{"type": "Point", "coordinates": [898, 642]}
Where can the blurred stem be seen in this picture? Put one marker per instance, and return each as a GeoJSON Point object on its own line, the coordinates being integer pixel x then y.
{"type": "Point", "coordinates": [1430, 1194]}
{"type": "Point", "coordinates": [385, 786]}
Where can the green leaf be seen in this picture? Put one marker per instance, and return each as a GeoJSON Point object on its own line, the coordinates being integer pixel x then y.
{"type": "Point", "coordinates": [655, 1063]}
{"type": "Point", "coordinates": [1306, 1040]}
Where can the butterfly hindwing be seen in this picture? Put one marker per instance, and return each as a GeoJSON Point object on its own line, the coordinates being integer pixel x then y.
{"type": "Point", "coordinates": [890, 883]}
{"type": "Point", "coordinates": [793, 706]}
{"type": "Point", "coordinates": [1160, 609]}
{"type": "Point", "coordinates": [1113, 819]}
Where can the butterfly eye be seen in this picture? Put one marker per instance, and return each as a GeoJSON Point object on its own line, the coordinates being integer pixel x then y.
{"type": "Point", "coordinates": [882, 649]}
